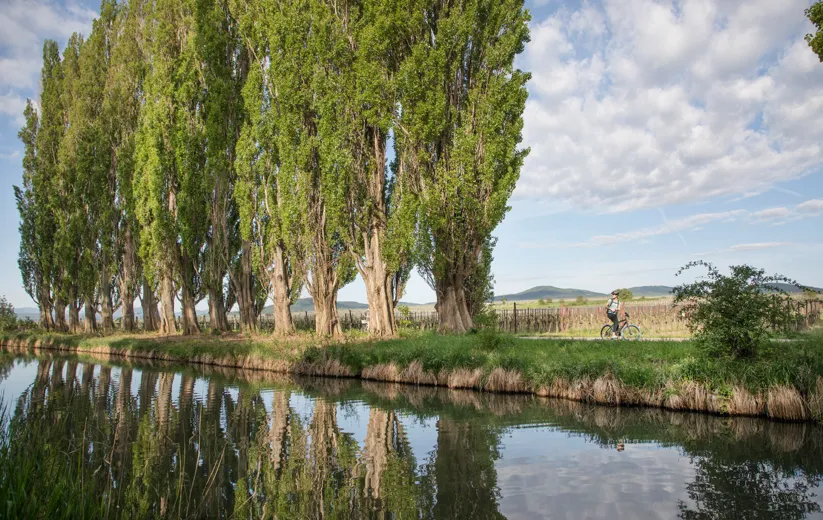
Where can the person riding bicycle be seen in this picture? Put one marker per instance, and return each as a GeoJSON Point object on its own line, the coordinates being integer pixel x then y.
{"type": "Point", "coordinates": [612, 308]}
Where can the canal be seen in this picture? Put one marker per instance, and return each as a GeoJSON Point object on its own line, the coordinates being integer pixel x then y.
{"type": "Point", "coordinates": [82, 438]}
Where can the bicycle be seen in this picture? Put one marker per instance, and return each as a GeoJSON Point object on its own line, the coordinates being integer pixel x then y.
{"type": "Point", "coordinates": [625, 330]}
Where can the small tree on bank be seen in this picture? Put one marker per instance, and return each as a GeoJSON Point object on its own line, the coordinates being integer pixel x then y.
{"type": "Point", "coordinates": [730, 315]}
{"type": "Point", "coordinates": [625, 294]}
{"type": "Point", "coordinates": [8, 319]}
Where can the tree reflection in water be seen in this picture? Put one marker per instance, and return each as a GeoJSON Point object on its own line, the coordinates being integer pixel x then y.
{"type": "Point", "coordinates": [221, 448]}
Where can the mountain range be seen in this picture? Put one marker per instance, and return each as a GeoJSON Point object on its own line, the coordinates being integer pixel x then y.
{"type": "Point", "coordinates": [559, 293]}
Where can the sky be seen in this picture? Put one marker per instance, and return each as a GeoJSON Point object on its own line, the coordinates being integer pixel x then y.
{"type": "Point", "coordinates": [659, 133]}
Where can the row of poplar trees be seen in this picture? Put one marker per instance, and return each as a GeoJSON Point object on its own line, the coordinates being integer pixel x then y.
{"type": "Point", "coordinates": [241, 150]}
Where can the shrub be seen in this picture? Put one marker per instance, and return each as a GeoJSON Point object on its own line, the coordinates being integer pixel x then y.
{"type": "Point", "coordinates": [405, 316]}
{"type": "Point", "coordinates": [8, 319]}
{"type": "Point", "coordinates": [731, 315]}
{"type": "Point", "coordinates": [625, 294]}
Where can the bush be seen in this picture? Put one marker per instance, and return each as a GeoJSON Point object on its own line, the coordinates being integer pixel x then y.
{"type": "Point", "coordinates": [8, 319]}
{"type": "Point", "coordinates": [625, 294]}
{"type": "Point", "coordinates": [405, 316]}
{"type": "Point", "coordinates": [731, 315]}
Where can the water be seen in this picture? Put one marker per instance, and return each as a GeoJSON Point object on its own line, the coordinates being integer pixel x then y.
{"type": "Point", "coordinates": [181, 442]}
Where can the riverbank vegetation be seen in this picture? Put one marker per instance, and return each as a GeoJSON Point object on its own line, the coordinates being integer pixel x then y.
{"type": "Point", "coordinates": [784, 381]}
{"type": "Point", "coordinates": [238, 152]}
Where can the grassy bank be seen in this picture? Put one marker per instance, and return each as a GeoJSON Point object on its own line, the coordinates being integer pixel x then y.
{"type": "Point", "coordinates": [786, 383]}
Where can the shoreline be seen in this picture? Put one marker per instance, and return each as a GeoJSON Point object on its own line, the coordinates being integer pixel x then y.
{"type": "Point", "coordinates": [780, 401]}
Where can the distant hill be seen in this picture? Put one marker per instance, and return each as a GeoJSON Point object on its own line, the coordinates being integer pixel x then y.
{"type": "Point", "coordinates": [791, 289]}
{"type": "Point", "coordinates": [559, 293]}
{"type": "Point", "coordinates": [548, 291]}
{"type": "Point", "coordinates": [306, 304]}
{"type": "Point", "coordinates": [651, 291]}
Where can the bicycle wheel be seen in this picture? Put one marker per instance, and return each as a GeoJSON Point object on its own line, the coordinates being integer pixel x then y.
{"type": "Point", "coordinates": [606, 332]}
{"type": "Point", "coordinates": [631, 332]}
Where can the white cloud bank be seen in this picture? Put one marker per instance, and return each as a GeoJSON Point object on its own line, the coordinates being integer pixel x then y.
{"type": "Point", "coordinates": [782, 214]}
{"type": "Point", "coordinates": [24, 25]}
{"type": "Point", "coordinates": [779, 215]}
{"type": "Point", "coordinates": [642, 103]}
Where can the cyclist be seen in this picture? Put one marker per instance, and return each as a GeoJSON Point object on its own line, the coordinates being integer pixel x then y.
{"type": "Point", "coordinates": [612, 308]}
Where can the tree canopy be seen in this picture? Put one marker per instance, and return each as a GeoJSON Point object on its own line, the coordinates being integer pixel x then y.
{"type": "Point", "coordinates": [242, 151]}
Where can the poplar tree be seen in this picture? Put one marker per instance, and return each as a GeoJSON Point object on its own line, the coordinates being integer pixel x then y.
{"type": "Point", "coordinates": [226, 254]}
{"type": "Point", "coordinates": [313, 150]}
{"type": "Point", "coordinates": [265, 191]}
{"type": "Point", "coordinates": [31, 245]}
{"type": "Point", "coordinates": [121, 106]}
{"type": "Point", "coordinates": [44, 183]}
{"type": "Point", "coordinates": [380, 207]}
{"type": "Point", "coordinates": [462, 105]}
{"type": "Point", "coordinates": [70, 210]}
{"type": "Point", "coordinates": [188, 146]}
{"type": "Point", "coordinates": [155, 180]}
{"type": "Point", "coordinates": [89, 155]}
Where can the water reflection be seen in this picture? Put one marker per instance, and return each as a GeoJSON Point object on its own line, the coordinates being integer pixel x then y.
{"type": "Point", "coordinates": [154, 442]}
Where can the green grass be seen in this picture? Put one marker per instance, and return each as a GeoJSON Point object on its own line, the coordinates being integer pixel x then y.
{"type": "Point", "coordinates": [646, 365]}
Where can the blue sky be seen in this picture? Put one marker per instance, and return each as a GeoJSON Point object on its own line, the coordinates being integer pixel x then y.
{"type": "Point", "coordinates": [660, 132]}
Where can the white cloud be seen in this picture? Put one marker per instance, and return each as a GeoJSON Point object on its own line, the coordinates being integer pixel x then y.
{"type": "Point", "coordinates": [639, 103]}
{"type": "Point", "coordinates": [10, 156]}
{"type": "Point", "coordinates": [757, 246]}
{"type": "Point", "coordinates": [690, 223]}
{"type": "Point", "coordinates": [24, 25]}
{"type": "Point", "coordinates": [782, 215]}
{"type": "Point", "coordinates": [771, 214]}
{"type": "Point", "coordinates": [811, 207]}
{"type": "Point", "coordinates": [12, 105]}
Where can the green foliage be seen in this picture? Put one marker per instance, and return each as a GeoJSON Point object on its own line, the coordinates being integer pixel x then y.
{"type": "Point", "coordinates": [474, 122]}
{"type": "Point", "coordinates": [624, 294]}
{"type": "Point", "coordinates": [405, 316]}
{"type": "Point", "coordinates": [8, 319]}
{"type": "Point", "coordinates": [219, 145]}
{"type": "Point", "coordinates": [30, 254]}
{"type": "Point", "coordinates": [730, 315]}
{"type": "Point", "coordinates": [815, 15]}
{"type": "Point", "coordinates": [580, 300]}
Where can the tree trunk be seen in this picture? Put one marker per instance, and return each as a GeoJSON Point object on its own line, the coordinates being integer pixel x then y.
{"type": "Point", "coordinates": [243, 281]}
{"type": "Point", "coordinates": [74, 315]}
{"type": "Point", "coordinates": [280, 281]}
{"type": "Point", "coordinates": [217, 311]}
{"type": "Point", "coordinates": [60, 315]}
{"type": "Point", "coordinates": [379, 293]}
{"type": "Point", "coordinates": [187, 295]}
{"type": "Point", "coordinates": [167, 324]}
{"type": "Point", "coordinates": [106, 310]}
{"type": "Point", "coordinates": [90, 320]}
{"type": "Point", "coordinates": [151, 316]}
{"type": "Point", "coordinates": [44, 302]}
{"type": "Point", "coordinates": [189, 313]}
{"type": "Point", "coordinates": [128, 309]}
{"type": "Point", "coordinates": [323, 291]}
{"type": "Point", "coordinates": [373, 268]}
{"type": "Point", "coordinates": [127, 281]}
{"type": "Point", "coordinates": [452, 313]}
